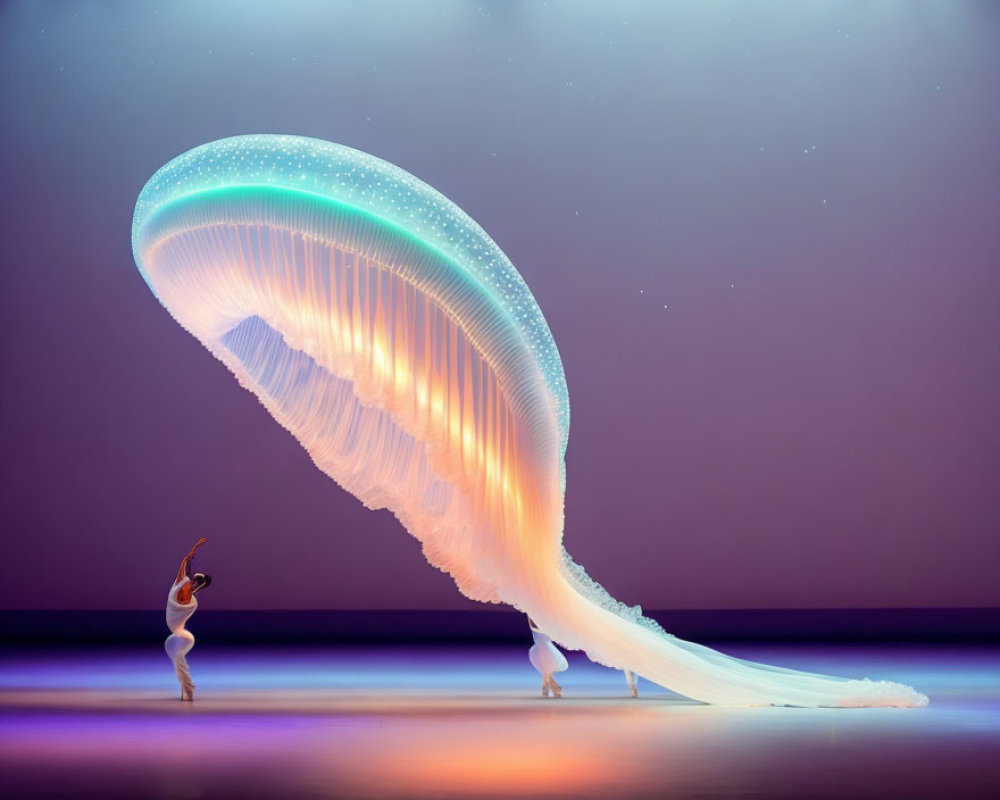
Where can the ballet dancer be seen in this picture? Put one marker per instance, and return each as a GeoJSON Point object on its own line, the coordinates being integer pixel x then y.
{"type": "Point", "coordinates": [547, 659]}
{"type": "Point", "coordinates": [181, 604]}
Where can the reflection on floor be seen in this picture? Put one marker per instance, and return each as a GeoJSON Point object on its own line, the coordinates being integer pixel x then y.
{"type": "Point", "coordinates": [454, 722]}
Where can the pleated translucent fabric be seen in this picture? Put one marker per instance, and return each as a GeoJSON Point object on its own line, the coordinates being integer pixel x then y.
{"type": "Point", "coordinates": [389, 334]}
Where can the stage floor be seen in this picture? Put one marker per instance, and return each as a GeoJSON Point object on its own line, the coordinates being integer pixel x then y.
{"type": "Point", "coordinates": [467, 722]}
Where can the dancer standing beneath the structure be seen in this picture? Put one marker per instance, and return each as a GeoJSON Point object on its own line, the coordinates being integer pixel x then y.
{"type": "Point", "coordinates": [181, 604]}
{"type": "Point", "coordinates": [547, 659]}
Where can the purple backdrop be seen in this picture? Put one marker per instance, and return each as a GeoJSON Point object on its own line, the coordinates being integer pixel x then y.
{"type": "Point", "coordinates": [765, 237]}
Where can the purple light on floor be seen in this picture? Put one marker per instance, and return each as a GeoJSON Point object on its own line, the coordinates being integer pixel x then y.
{"type": "Point", "coordinates": [466, 722]}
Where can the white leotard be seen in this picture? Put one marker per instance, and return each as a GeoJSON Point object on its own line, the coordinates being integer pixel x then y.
{"type": "Point", "coordinates": [545, 656]}
{"type": "Point", "coordinates": [181, 640]}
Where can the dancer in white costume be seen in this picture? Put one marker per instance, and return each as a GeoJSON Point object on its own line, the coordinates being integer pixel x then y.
{"type": "Point", "coordinates": [547, 659]}
{"type": "Point", "coordinates": [181, 604]}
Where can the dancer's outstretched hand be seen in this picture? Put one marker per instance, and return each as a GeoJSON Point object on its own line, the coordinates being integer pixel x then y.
{"type": "Point", "coordinates": [198, 544]}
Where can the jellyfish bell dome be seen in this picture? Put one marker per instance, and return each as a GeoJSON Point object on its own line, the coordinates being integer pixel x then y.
{"type": "Point", "coordinates": [383, 328]}
{"type": "Point", "coordinates": [311, 185]}
{"type": "Point", "coordinates": [317, 272]}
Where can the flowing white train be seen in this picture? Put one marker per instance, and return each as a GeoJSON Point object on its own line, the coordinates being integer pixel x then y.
{"type": "Point", "coordinates": [388, 333]}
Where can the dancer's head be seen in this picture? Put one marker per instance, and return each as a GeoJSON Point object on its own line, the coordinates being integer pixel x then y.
{"type": "Point", "coordinates": [200, 581]}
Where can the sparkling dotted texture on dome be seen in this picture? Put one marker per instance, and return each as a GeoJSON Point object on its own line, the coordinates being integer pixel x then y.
{"type": "Point", "coordinates": [377, 187]}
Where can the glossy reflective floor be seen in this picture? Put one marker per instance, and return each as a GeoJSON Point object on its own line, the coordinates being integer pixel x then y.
{"type": "Point", "coordinates": [453, 722]}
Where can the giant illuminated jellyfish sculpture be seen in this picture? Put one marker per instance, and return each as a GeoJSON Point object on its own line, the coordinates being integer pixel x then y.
{"type": "Point", "coordinates": [388, 333]}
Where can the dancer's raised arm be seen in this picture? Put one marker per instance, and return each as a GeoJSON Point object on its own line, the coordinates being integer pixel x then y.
{"type": "Point", "coordinates": [183, 571]}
